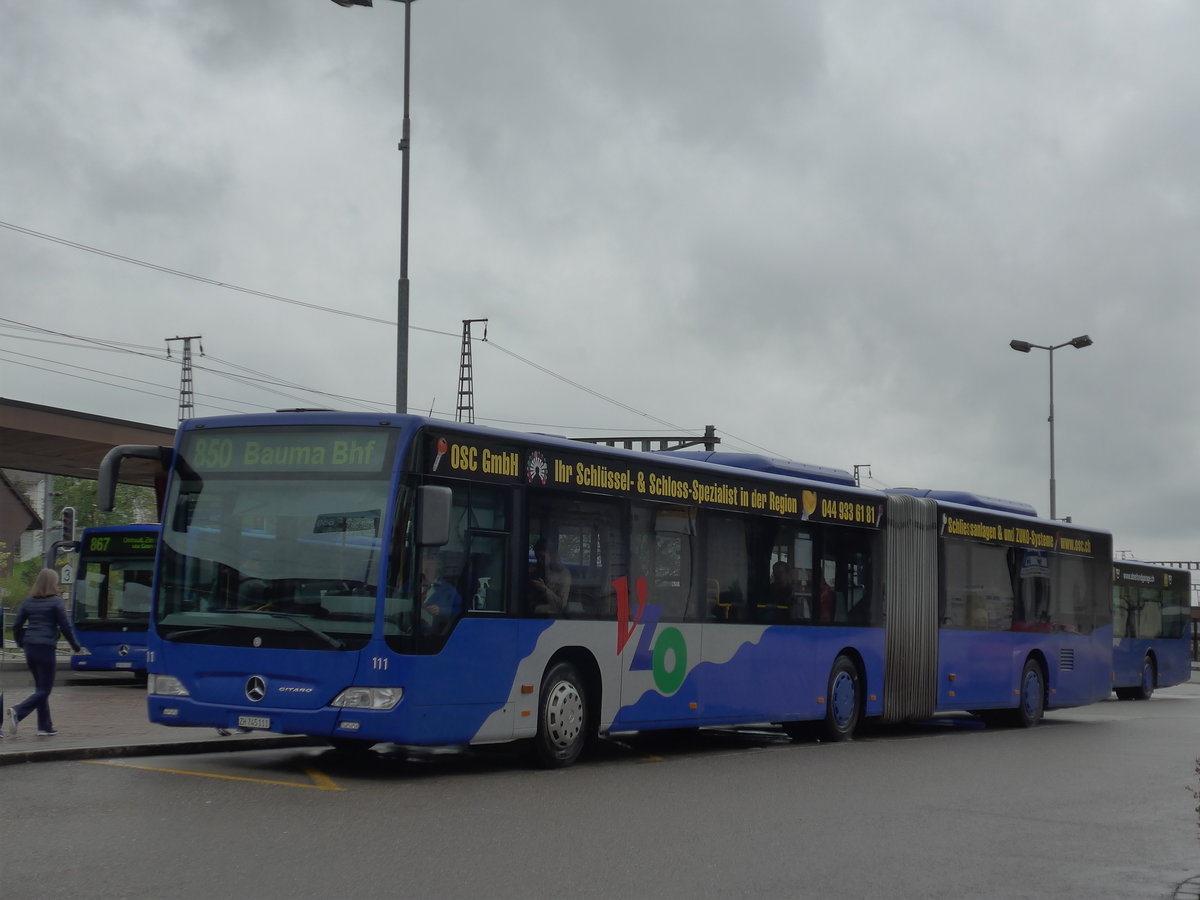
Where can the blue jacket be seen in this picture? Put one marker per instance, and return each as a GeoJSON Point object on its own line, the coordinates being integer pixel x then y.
{"type": "Point", "coordinates": [39, 621]}
{"type": "Point", "coordinates": [448, 601]}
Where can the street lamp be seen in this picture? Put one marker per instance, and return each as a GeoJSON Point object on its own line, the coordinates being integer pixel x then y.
{"type": "Point", "coordinates": [402, 289]}
{"type": "Point", "coordinates": [1024, 347]}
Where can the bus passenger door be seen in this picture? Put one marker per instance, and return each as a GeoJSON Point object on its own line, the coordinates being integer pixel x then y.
{"type": "Point", "coordinates": [657, 656]}
{"type": "Point", "coordinates": [659, 647]}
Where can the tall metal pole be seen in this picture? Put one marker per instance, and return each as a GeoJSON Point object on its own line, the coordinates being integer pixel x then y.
{"type": "Point", "coordinates": [402, 289]}
{"type": "Point", "coordinates": [1051, 421]}
{"type": "Point", "coordinates": [1024, 347]}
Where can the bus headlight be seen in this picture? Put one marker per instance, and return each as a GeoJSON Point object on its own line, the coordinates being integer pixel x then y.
{"type": "Point", "coordinates": [166, 685]}
{"type": "Point", "coordinates": [368, 698]}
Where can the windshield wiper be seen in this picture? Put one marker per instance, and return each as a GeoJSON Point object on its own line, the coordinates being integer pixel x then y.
{"type": "Point", "coordinates": [291, 617]}
{"type": "Point", "coordinates": [182, 635]}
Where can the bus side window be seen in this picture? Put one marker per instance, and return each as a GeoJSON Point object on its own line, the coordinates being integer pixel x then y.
{"type": "Point", "coordinates": [728, 566]}
{"type": "Point", "coordinates": [1072, 601]}
{"type": "Point", "coordinates": [829, 603]}
{"type": "Point", "coordinates": [664, 554]}
{"type": "Point", "coordinates": [484, 579]}
{"type": "Point", "coordinates": [978, 587]}
{"type": "Point", "coordinates": [577, 548]}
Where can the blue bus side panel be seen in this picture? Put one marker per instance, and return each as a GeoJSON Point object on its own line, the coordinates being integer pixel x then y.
{"type": "Point", "coordinates": [1171, 655]}
{"type": "Point", "coordinates": [751, 674]}
{"type": "Point", "coordinates": [789, 669]}
{"type": "Point", "coordinates": [484, 686]}
{"type": "Point", "coordinates": [982, 669]}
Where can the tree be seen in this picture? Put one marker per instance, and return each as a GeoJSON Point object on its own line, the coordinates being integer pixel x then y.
{"type": "Point", "coordinates": [14, 586]}
{"type": "Point", "coordinates": [132, 504]}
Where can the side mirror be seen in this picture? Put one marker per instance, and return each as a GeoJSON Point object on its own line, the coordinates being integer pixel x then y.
{"type": "Point", "coordinates": [110, 469]}
{"type": "Point", "coordinates": [433, 515]}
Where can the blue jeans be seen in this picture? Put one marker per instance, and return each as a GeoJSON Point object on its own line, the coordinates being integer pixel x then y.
{"type": "Point", "coordinates": [43, 664]}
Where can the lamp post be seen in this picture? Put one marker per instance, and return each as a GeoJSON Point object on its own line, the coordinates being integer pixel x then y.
{"type": "Point", "coordinates": [402, 288]}
{"type": "Point", "coordinates": [1024, 347]}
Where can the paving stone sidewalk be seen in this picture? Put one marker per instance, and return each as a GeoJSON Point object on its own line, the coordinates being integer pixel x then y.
{"type": "Point", "coordinates": [103, 714]}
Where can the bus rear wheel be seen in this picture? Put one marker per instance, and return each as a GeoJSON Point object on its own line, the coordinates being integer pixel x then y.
{"type": "Point", "coordinates": [1032, 695]}
{"type": "Point", "coordinates": [562, 718]}
{"type": "Point", "coordinates": [1145, 690]}
{"type": "Point", "coordinates": [842, 701]}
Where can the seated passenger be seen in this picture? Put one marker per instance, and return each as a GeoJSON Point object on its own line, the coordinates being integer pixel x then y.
{"type": "Point", "coordinates": [440, 601]}
{"type": "Point", "coordinates": [781, 584]}
{"type": "Point", "coordinates": [825, 600]}
{"type": "Point", "coordinates": [549, 581]}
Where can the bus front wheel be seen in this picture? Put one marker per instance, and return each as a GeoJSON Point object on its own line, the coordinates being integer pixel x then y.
{"type": "Point", "coordinates": [562, 717]}
{"type": "Point", "coordinates": [353, 748]}
{"type": "Point", "coordinates": [842, 701]}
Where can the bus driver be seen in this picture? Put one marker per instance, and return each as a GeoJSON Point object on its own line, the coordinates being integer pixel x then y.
{"type": "Point", "coordinates": [440, 600]}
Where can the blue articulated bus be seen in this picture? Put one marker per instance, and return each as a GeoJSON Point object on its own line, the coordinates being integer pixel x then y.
{"type": "Point", "coordinates": [1151, 621]}
{"type": "Point", "coordinates": [369, 578]}
{"type": "Point", "coordinates": [111, 597]}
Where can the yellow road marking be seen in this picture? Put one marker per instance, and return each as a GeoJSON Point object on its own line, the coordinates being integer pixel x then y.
{"type": "Point", "coordinates": [322, 782]}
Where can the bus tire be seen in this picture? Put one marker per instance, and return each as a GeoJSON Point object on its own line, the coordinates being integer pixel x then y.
{"type": "Point", "coordinates": [800, 731]}
{"type": "Point", "coordinates": [1145, 690]}
{"type": "Point", "coordinates": [843, 701]}
{"type": "Point", "coordinates": [562, 718]}
{"type": "Point", "coordinates": [352, 748]}
{"type": "Point", "coordinates": [1032, 696]}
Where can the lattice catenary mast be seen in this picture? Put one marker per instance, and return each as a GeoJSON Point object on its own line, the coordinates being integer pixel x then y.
{"type": "Point", "coordinates": [187, 405]}
{"type": "Point", "coordinates": [466, 378]}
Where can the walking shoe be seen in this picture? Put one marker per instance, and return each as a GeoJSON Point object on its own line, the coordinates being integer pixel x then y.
{"type": "Point", "coordinates": [49, 732]}
{"type": "Point", "coordinates": [12, 720]}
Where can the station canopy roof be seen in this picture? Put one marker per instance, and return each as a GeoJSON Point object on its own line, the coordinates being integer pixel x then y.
{"type": "Point", "coordinates": [56, 441]}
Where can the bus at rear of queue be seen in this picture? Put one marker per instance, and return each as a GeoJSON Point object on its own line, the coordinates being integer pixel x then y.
{"type": "Point", "coordinates": [1151, 617]}
{"type": "Point", "coordinates": [110, 605]}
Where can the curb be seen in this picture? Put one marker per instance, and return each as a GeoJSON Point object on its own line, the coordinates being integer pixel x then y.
{"type": "Point", "coordinates": [175, 748]}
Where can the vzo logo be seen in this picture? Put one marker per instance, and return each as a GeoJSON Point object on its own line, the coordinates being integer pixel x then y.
{"type": "Point", "coordinates": [665, 656]}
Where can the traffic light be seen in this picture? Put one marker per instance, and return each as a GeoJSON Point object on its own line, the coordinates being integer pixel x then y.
{"type": "Point", "coordinates": [68, 523]}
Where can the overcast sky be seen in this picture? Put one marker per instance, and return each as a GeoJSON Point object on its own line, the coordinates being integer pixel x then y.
{"type": "Point", "coordinates": [816, 226]}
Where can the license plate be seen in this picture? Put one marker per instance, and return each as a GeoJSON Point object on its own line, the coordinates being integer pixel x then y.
{"type": "Point", "coordinates": [124, 665]}
{"type": "Point", "coordinates": [254, 722]}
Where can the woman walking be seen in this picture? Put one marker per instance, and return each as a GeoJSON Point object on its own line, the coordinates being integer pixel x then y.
{"type": "Point", "coordinates": [39, 621]}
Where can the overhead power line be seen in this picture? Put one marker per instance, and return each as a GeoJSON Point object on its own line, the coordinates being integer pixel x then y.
{"type": "Point", "coordinates": [340, 312]}
{"type": "Point", "coordinates": [179, 273]}
{"type": "Point", "coordinates": [584, 388]}
{"type": "Point", "coordinates": [266, 295]}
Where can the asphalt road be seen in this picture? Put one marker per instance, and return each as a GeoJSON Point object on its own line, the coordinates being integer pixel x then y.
{"type": "Point", "coordinates": [1095, 803]}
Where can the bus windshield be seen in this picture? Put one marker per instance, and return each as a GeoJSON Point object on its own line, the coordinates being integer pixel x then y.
{"type": "Point", "coordinates": [273, 538]}
{"type": "Point", "coordinates": [113, 583]}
